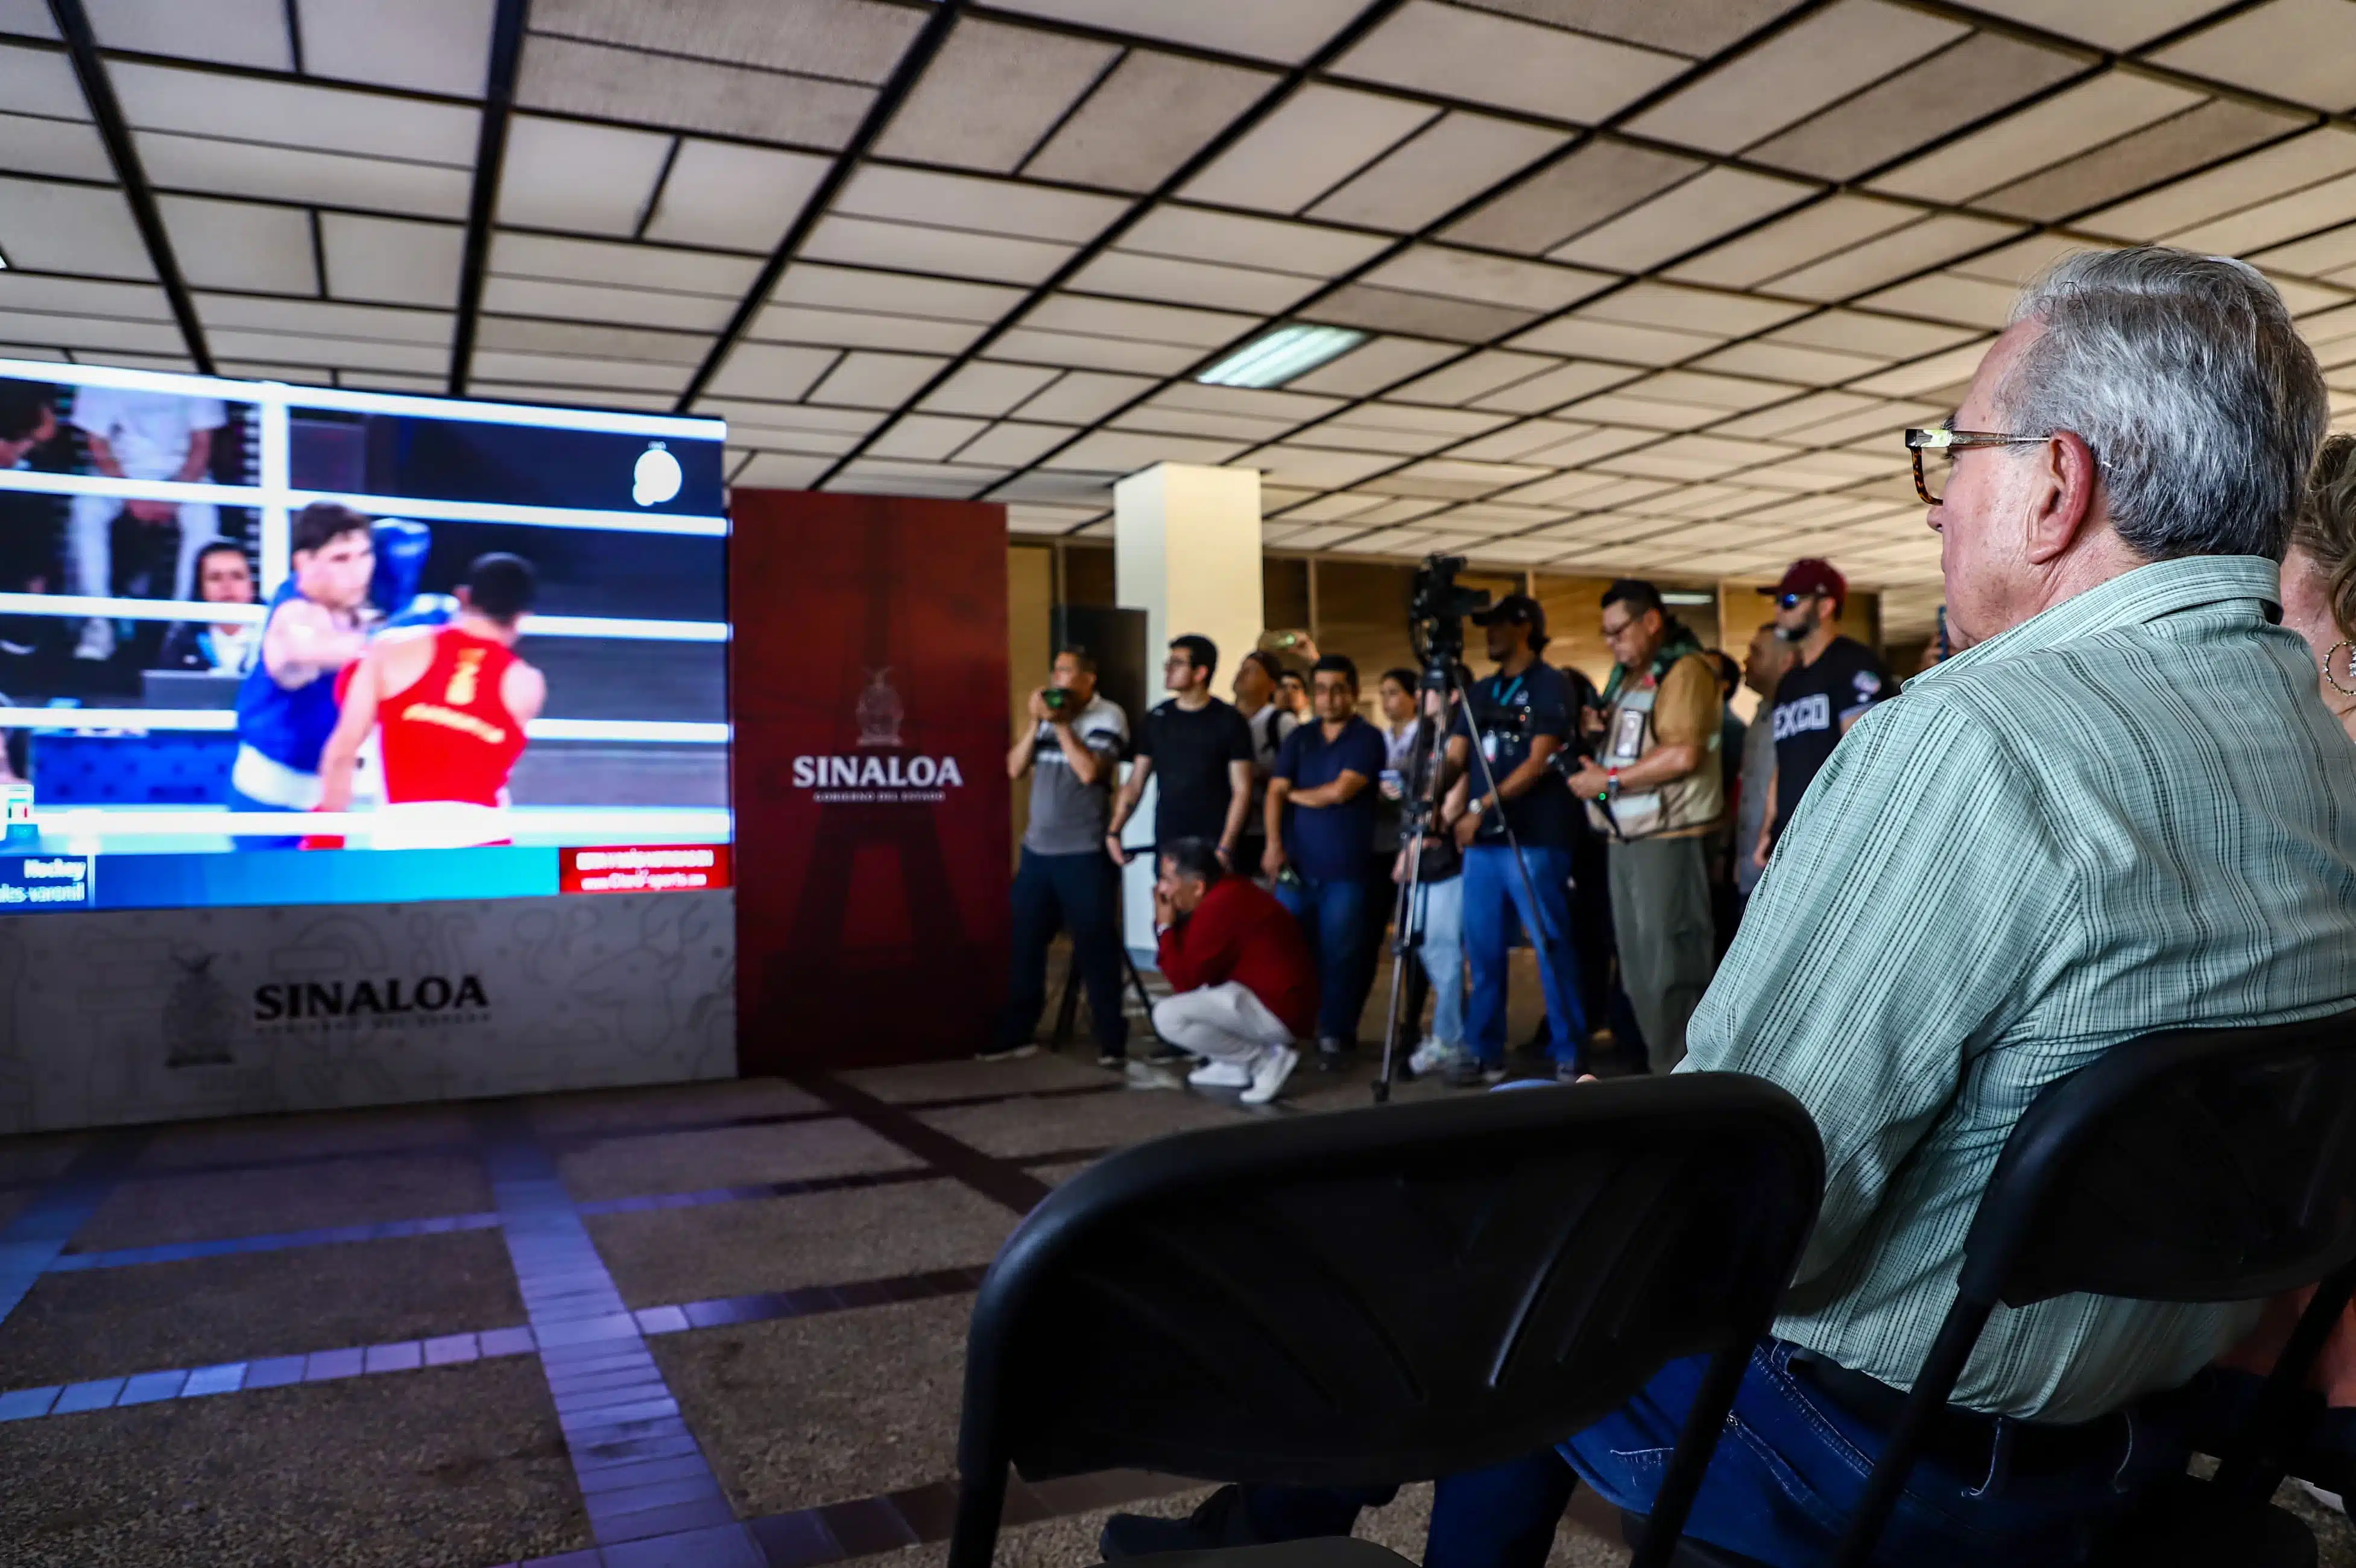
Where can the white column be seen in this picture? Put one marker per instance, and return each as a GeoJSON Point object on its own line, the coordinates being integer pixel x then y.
{"type": "Point", "coordinates": [1187, 550]}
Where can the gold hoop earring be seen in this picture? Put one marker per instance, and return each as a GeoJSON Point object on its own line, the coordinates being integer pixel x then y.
{"type": "Point", "coordinates": [2334, 680]}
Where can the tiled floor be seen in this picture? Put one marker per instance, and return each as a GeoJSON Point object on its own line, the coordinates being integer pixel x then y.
{"type": "Point", "coordinates": [717, 1324]}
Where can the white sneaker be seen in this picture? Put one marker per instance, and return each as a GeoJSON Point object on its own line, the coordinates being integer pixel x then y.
{"type": "Point", "coordinates": [1220, 1075]}
{"type": "Point", "coordinates": [1429, 1057]}
{"type": "Point", "coordinates": [97, 639]}
{"type": "Point", "coordinates": [1268, 1074]}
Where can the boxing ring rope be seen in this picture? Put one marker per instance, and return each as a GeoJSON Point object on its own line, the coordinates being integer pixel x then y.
{"type": "Point", "coordinates": [78, 605]}
{"type": "Point", "coordinates": [223, 721]}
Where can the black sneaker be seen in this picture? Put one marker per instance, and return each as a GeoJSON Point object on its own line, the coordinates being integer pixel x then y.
{"type": "Point", "coordinates": [1334, 1056]}
{"type": "Point", "coordinates": [1218, 1523]}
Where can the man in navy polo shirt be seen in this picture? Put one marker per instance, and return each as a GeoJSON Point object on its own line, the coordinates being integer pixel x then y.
{"type": "Point", "coordinates": [1321, 832]}
{"type": "Point", "coordinates": [1519, 717]}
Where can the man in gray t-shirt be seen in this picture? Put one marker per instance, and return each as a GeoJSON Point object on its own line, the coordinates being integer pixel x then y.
{"type": "Point", "coordinates": [1070, 742]}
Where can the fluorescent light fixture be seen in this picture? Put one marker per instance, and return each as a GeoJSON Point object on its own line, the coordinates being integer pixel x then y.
{"type": "Point", "coordinates": [1275, 358]}
{"type": "Point", "coordinates": [1689, 599]}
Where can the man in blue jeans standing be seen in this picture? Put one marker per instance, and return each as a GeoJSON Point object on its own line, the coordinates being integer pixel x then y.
{"type": "Point", "coordinates": [1318, 850]}
{"type": "Point", "coordinates": [1519, 717]}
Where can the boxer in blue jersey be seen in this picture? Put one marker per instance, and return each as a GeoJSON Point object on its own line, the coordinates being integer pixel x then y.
{"type": "Point", "coordinates": [319, 623]}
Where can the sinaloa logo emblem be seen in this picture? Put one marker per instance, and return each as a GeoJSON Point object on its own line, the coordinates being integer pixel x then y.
{"type": "Point", "coordinates": [856, 779]}
{"type": "Point", "coordinates": [657, 478]}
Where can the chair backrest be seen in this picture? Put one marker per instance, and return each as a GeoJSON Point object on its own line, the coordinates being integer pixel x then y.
{"type": "Point", "coordinates": [2212, 1165]}
{"type": "Point", "coordinates": [1385, 1294]}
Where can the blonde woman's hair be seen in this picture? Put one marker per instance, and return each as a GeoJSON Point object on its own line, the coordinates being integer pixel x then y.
{"type": "Point", "coordinates": [2326, 526]}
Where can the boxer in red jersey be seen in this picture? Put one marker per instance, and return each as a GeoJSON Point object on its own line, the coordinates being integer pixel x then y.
{"type": "Point", "coordinates": [451, 703]}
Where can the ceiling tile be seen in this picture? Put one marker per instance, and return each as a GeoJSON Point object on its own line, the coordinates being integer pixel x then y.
{"type": "Point", "coordinates": [71, 229]}
{"type": "Point", "coordinates": [853, 40]}
{"type": "Point", "coordinates": [2302, 212]}
{"type": "Point", "coordinates": [593, 179]}
{"type": "Point", "coordinates": [1788, 361]}
{"type": "Point", "coordinates": [1520, 439]}
{"type": "Point", "coordinates": [1440, 170]}
{"type": "Point", "coordinates": [733, 198]}
{"type": "Point", "coordinates": [593, 339]}
{"type": "Point", "coordinates": [2301, 49]}
{"type": "Point", "coordinates": [2114, 24]}
{"type": "Point", "coordinates": [1317, 467]}
{"type": "Point", "coordinates": [89, 335]}
{"type": "Point", "coordinates": [1470, 377]}
{"type": "Point", "coordinates": [2146, 157]}
{"type": "Point", "coordinates": [1115, 451]}
{"type": "Point", "coordinates": [28, 19]}
{"type": "Point", "coordinates": [1288, 34]}
{"type": "Point", "coordinates": [39, 81]}
{"type": "Point", "coordinates": [240, 245]}
{"type": "Point", "coordinates": [1925, 375]}
{"type": "Point", "coordinates": [863, 329]}
{"type": "Point", "coordinates": [1702, 310]}
{"type": "Point", "coordinates": [1192, 283]}
{"type": "Point", "coordinates": [1860, 332]}
{"type": "Point", "coordinates": [2112, 105]}
{"type": "Point", "coordinates": [1448, 424]}
{"type": "Point", "coordinates": [1150, 417]}
{"type": "Point", "coordinates": [326, 319]}
{"type": "Point", "coordinates": [1086, 352]}
{"type": "Point", "coordinates": [1646, 413]}
{"type": "Point", "coordinates": [1424, 315]}
{"type": "Point", "coordinates": [1198, 233]}
{"type": "Point", "coordinates": [1152, 113]}
{"type": "Point", "coordinates": [2288, 165]}
{"type": "Point", "coordinates": [1013, 445]}
{"type": "Point", "coordinates": [1085, 395]}
{"type": "Point", "coordinates": [1965, 82]}
{"type": "Point", "coordinates": [1374, 364]}
{"type": "Point", "coordinates": [987, 388]}
{"type": "Point", "coordinates": [206, 165]}
{"type": "Point", "coordinates": [2315, 256]}
{"type": "Point", "coordinates": [1599, 442]}
{"type": "Point", "coordinates": [777, 470]}
{"type": "Point", "coordinates": [992, 93]}
{"type": "Point", "coordinates": [1589, 339]}
{"type": "Point", "coordinates": [860, 241]}
{"type": "Point", "coordinates": [1306, 147]}
{"type": "Point", "coordinates": [1693, 214]}
{"type": "Point", "coordinates": [1736, 393]}
{"type": "Point", "coordinates": [1486, 59]}
{"type": "Point", "coordinates": [1830, 55]}
{"type": "Point", "coordinates": [599, 302]}
{"type": "Point", "coordinates": [1826, 228]}
{"type": "Point", "coordinates": [866, 380]}
{"type": "Point", "coordinates": [295, 114]}
{"type": "Point", "coordinates": [1001, 206]}
{"type": "Point", "coordinates": [1910, 250]}
{"type": "Point", "coordinates": [1452, 479]}
{"type": "Point", "coordinates": [902, 293]}
{"type": "Point", "coordinates": [83, 296]}
{"type": "Point", "coordinates": [654, 267]}
{"type": "Point", "coordinates": [570, 77]}
{"type": "Point", "coordinates": [766, 370]}
{"type": "Point", "coordinates": [430, 46]}
{"type": "Point", "coordinates": [1328, 509]}
{"type": "Point", "coordinates": [254, 343]}
{"type": "Point", "coordinates": [952, 482]}
{"type": "Point", "coordinates": [1691, 28]}
{"type": "Point", "coordinates": [1147, 323]}
{"type": "Point", "coordinates": [69, 148]}
{"type": "Point", "coordinates": [233, 32]}
{"type": "Point", "coordinates": [1492, 280]}
{"type": "Point", "coordinates": [391, 261]}
{"type": "Point", "coordinates": [925, 436]}
{"type": "Point", "coordinates": [1599, 181]}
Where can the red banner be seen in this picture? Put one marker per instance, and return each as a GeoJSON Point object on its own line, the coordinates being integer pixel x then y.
{"type": "Point", "coordinates": [643, 868]}
{"type": "Point", "coordinates": [868, 688]}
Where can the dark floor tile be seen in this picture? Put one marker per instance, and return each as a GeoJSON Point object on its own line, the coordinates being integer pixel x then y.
{"type": "Point", "coordinates": [208, 1310]}
{"type": "Point", "coordinates": [781, 1243]}
{"type": "Point", "coordinates": [955, 1079]}
{"type": "Point", "coordinates": [795, 1540]}
{"type": "Point", "coordinates": [721, 1546]}
{"type": "Point", "coordinates": [1018, 1127]}
{"type": "Point", "coordinates": [205, 1207]}
{"type": "Point", "coordinates": [689, 1162]}
{"type": "Point", "coordinates": [448, 1468]}
{"type": "Point", "coordinates": [332, 1134]}
{"type": "Point", "coordinates": [558, 1116]}
{"type": "Point", "coordinates": [35, 1157]}
{"type": "Point", "coordinates": [792, 1414]}
{"type": "Point", "coordinates": [867, 1526]}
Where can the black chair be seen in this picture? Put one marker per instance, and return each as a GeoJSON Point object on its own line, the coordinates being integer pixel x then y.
{"type": "Point", "coordinates": [2210, 1165]}
{"type": "Point", "coordinates": [1386, 1296]}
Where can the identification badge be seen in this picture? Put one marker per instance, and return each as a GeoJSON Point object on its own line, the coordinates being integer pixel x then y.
{"type": "Point", "coordinates": [1489, 745]}
{"type": "Point", "coordinates": [1628, 735]}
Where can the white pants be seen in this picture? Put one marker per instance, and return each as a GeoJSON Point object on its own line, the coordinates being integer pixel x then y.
{"type": "Point", "coordinates": [1226, 1023]}
{"type": "Point", "coordinates": [89, 555]}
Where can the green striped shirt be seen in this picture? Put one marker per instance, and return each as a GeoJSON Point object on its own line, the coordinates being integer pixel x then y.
{"type": "Point", "coordinates": [2130, 813]}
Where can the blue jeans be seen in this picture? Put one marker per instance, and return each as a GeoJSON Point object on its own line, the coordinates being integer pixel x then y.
{"type": "Point", "coordinates": [1442, 903]}
{"type": "Point", "coordinates": [1491, 887]}
{"type": "Point", "coordinates": [1790, 1468]}
{"type": "Point", "coordinates": [1082, 893]}
{"type": "Point", "coordinates": [1334, 916]}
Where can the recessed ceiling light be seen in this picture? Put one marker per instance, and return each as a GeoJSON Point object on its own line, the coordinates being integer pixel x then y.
{"type": "Point", "coordinates": [1275, 358]}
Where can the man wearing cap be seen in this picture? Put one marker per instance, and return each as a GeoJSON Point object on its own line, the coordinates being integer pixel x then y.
{"type": "Point", "coordinates": [1659, 794]}
{"type": "Point", "coordinates": [1832, 681]}
{"type": "Point", "coordinates": [1519, 717]}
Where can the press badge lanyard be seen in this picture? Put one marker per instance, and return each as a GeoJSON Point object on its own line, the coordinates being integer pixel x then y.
{"type": "Point", "coordinates": [1505, 699]}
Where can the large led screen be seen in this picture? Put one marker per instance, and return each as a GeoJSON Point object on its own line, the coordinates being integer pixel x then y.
{"type": "Point", "coordinates": [266, 644]}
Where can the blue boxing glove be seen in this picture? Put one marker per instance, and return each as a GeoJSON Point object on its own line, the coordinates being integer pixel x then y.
{"type": "Point", "coordinates": [401, 547]}
{"type": "Point", "coordinates": [425, 609]}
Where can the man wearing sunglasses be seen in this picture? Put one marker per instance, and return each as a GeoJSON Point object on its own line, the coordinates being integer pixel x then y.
{"type": "Point", "coordinates": [1831, 681]}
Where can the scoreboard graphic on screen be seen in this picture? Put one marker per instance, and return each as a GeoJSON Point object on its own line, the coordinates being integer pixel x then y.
{"type": "Point", "coordinates": [268, 644]}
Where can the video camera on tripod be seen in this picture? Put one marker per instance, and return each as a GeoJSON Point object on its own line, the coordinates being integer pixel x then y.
{"type": "Point", "coordinates": [1436, 612]}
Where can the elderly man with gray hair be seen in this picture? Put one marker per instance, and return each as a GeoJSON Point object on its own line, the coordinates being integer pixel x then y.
{"type": "Point", "coordinates": [2123, 809]}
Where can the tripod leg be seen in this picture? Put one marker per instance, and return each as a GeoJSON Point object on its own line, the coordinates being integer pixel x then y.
{"type": "Point", "coordinates": [1145, 997]}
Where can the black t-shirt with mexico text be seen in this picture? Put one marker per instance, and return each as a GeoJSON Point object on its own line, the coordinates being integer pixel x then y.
{"type": "Point", "coordinates": [1812, 702]}
{"type": "Point", "coordinates": [1191, 753]}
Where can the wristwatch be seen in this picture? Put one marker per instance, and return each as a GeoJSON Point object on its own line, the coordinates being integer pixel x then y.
{"type": "Point", "coordinates": [1477, 807]}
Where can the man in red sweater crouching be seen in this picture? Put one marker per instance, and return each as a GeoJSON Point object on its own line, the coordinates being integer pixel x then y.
{"type": "Point", "coordinates": [1246, 982]}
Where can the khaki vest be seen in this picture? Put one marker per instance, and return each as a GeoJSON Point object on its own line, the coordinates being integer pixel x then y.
{"type": "Point", "coordinates": [1689, 805]}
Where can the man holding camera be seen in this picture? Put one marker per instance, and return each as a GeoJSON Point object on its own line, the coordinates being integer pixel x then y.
{"type": "Point", "coordinates": [1070, 744]}
{"type": "Point", "coordinates": [1659, 792]}
{"type": "Point", "coordinates": [1519, 717]}
{"type": "Point", "coordinates": [1244, 986]}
